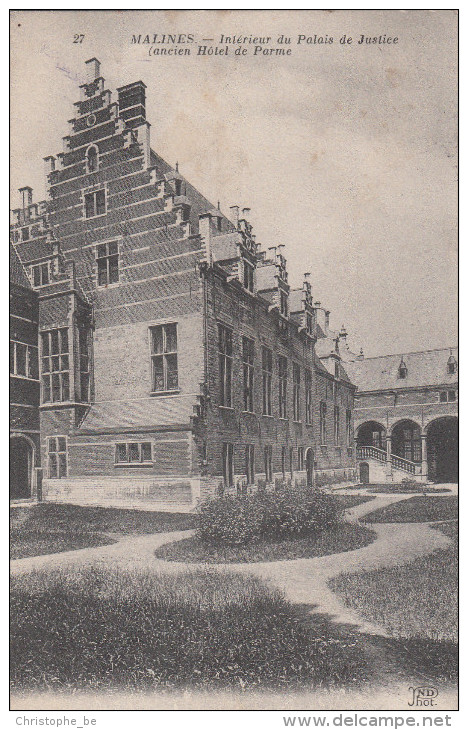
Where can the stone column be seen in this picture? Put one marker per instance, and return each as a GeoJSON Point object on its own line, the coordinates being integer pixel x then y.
{"type": "Point", "coordinates": [424, 456]}
{"type": "Point", "coordinates": [389, 458]}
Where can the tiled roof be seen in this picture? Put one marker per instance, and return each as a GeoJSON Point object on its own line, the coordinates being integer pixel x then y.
{"type": "Point", "coordinates": [225, 246]}
{"type": "Point", "coordinates": [149, 413]}
{"type": "Point", "coordinates": [295, 300]}
{"type": "Point", "coordinates": [428, 367]}
{"type": "Point", "coordinates": [200, 203]}
{"type": "Point", "coordinates": [325, 346]}
{"type": "Point", "coordinates": [17, 273]}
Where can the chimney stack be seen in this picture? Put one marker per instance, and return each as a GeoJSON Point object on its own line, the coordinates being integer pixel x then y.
{"type": "Point", "coordinates": [26, 196]}
{"type": "Point", "coordinates": [204, 227]}
{"type": "Point", "coordinates": [93, 70]}
{"type": "Point", "coordinates": [235, 215]}
{"type": "Point", "coordinates": [245, 213]}
{"type": "Point", "coordinates": [272, 250]}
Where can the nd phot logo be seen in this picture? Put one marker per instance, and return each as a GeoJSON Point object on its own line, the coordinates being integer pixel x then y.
{"type": "Point", "coordinates": [423, 696]}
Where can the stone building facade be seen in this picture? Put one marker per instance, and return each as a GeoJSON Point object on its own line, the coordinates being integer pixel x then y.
{"type": "Point", "coordinates": [175, 359]}
{"type": "Point", "coordinates": [25, 455]}
{"type": "Point", "coordinates": [406, 416]}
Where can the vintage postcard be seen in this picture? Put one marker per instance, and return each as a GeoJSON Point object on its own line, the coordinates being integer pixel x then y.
{"type": "Point", "coordinates": [234, 361]}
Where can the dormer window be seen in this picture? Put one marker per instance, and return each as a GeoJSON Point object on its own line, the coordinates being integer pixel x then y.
{"type": "Point", "coordinates": [92, 161]}
{"type": "Point", "coordinates": [178, 187]}
{"type": "Point", "coordinates": [310, 324]}
{"type": "Point", "coordinates": [40, 274]}
{"type": "Point", "coordinates": [248, 275]}
{"type": "Point", "coordinates": [451, 365]}
{"type": "Point", "coordinates": [402, 370]}
{"type": "Point", "coordinates": [284, 304]}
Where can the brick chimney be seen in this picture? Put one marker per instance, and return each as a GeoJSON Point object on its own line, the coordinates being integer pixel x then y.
{"type": "Point", "coordinates": [26, 197]}
{"type": "Point", "coordinates": [132, 103]}
{"type": "Point", "coordinates": [93, 70]}
{"type": "Point", "coordinates": [235, 215]}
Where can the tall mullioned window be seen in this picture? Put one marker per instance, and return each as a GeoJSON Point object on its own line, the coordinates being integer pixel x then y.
{"type": "Point", "coordinates": [107, 258]}
{"type": "Point", "coordinates": [267, 374]}
{"type": "Point", "coordinates": [225, 359]}
{"type": "Point", "coordinates": [308, 396]}
{"type": "Point", "coordinates": [349, 428]}
{"type": "Point", "coordinates": [336, 425]}
{"type": "Point", "coordinates": [250, 463]}
{"type": "Point", "coordinates": [300, 458]}
{"type": "Point", "coordinates": [248, 372]}
{"type": "Point", "coordinates": [282, 385]}
{"type": "Point", "coordinates": [83, 348]}
{"type": "Point", "coordinates": [323, 423]}
{"type": "Point", "coordinates": [228, 464]}
{"type": "Point", "coordinates": [55, 366]}
{"type": "Point", "coordinates": [296, 392]}
{"type": "Point", "coordinates": [164, 364]}
{"type": "Point", "coordinates": [268, 459]}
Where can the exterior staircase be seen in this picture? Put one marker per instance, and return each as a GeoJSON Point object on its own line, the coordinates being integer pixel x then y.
{"type": "Point", "coordinates": [363, 453]}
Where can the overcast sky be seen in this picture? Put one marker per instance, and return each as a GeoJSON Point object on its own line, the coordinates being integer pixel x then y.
{"type": "Point", "coordinates": [345, 153]}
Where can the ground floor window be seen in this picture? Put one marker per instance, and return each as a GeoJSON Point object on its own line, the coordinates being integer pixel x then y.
{"type": "Point", "coordinates": [283, 461]}
{"type": "Point", "coordinates": [57, 457]}
{"type": "Point", "coordinates": [133, 453]}
{"type": "Point", "coordinates": [300, 458]}
{"type": "Point", "coordinates": [228, 465]}
{"type": "Point", "coordinates": [250, 463]}
{"type": "Point", "coordinates": [268, 456]}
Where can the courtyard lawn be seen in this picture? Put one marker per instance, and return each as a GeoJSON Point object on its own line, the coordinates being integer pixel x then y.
{"type": "Point", "coordinates": [417, 509]}
{"type": "Point", "coordinates": [346, 501]}
{"type": "Point", "coordinates": [51, 528]}
{"type": "Point", "coordinates": [102, 629]}
{"type": "Point", "coordinates": [341, 538]}
{"type": "Point", "coordinates": [417, 601]}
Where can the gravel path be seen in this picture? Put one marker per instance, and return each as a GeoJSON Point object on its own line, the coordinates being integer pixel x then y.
{"type": "Point", "coordinates": [303, 581]}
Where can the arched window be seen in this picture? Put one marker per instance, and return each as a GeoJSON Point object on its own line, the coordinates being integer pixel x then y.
{"type": "Point", "coordinates": [92, 159]}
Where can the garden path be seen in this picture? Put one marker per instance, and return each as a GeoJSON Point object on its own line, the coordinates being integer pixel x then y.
{"type": "Point", "coordinates": [304, 580]}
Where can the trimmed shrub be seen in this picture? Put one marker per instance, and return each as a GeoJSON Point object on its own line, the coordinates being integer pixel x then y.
{"type": "Point", "coordinates": [242, 520]}
{"type": "Point", "coordinates": [231, 520]}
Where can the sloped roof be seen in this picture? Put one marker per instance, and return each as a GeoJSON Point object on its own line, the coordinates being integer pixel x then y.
{"type": "Point", "coordinates": [428, 367]}
{"type": "Point", "coordinates": [225, 246]}
{"type": "Point", "coordinates": [18, 275]}
{"type": "Point", "coordinates": [325, 346]}
{"type": "Point", "coordinates": [199, 202]}
{"type": "Point", "coordinates": [295, 300]}
{"type": "Point", "coordinates": [149, 413]}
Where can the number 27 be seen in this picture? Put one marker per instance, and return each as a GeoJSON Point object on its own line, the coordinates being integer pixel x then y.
{"type": "Point", "coordinates": [78, 38]}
